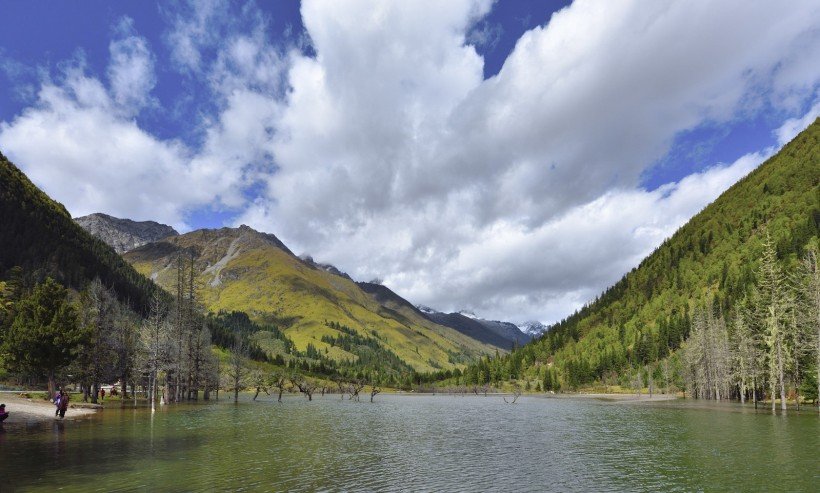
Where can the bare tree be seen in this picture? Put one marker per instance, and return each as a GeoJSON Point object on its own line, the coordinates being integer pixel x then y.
{"type": "Point", "coordinates": [666, 375]}
{"type": "Point", "coordinates": [342, 385]}
{"type": "Point", "coordinates": [260, 381]}
{"type": "Point", "coordinates": [516, 394]}
{"type": "Point", "coordinates": [236, 367]}
{"type": "Point", "coordinates": [637, 382]}
{"type": "Point", "coordinates": [746, 356]}
{"type": "Point", "coordinates": [707, 357]}
{"type": "Point", "coordinates": [772, 307]}
{"type": "Point", "coordinates": [305, 385]}
{"type": "Point", "coordinates": [373, 391]}
{"type": "Point", "coordinates": [280, 383]}
{"type": "Point", "coordinates": [154, 336]}
{"type": "Point", "coordinates": [810, 287]}
{"type": "Point", "coordinates": [354, 388]}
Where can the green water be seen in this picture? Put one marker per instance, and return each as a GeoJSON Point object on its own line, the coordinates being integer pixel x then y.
{"type": "Point", "coordinates": [417, 443]}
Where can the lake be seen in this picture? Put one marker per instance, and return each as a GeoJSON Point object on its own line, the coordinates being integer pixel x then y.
{"type": "Point", "coordinates": [418, 443]}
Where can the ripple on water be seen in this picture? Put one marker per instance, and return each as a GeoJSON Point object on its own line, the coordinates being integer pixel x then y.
{"type": "Point", "coordinates": [416, 443]}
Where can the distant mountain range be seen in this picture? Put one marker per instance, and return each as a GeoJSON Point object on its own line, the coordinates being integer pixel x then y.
{"type": "Point", "coordinates": [500, 334]}
{"type": "Point", "coordinates": [124, 234]}
{"type": "Point", "coordinates": [243, 269]}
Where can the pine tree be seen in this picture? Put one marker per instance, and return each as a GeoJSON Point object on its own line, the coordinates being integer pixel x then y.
{"type": "Point", "coordinates": [45, 333]}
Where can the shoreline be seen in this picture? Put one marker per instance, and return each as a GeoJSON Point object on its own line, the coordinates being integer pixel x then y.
{"type": "Point", "coordinates": [621, 398]}
{"type": "Point", "coordinates": [26, 411]}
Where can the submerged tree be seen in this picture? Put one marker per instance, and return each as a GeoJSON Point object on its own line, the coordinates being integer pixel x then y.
{"type": "Point", "coordinates": [155, 337]}
{"type": "Point", "coordinates": [772, 315]}
{"type": "Point", "coordinates": [236, 367]}
{"type": "Point", "coordinates": [707, 357]}
{"type": "Point", "coordinates": [305, 385]}
{"type": "Point", "coordinates": [279, 381]}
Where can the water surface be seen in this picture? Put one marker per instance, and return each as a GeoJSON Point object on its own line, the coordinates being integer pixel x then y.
{"type": "Point", "coordinates": [417, 443]}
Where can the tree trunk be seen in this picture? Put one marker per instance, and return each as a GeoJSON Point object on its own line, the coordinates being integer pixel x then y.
{"type": "Point", "coordinates": [780, 377]}
{"type": "Point", "coordinates": [52, 386]}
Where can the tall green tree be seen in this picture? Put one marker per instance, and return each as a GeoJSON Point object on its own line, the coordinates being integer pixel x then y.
{"type": "Point", "coordinates": [45, 333]}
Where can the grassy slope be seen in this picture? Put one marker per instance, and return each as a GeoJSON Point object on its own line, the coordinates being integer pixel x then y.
{"type": "Point", "coordinates": [714, 255]}
{"type": "Point", "coordinates": [262, 279]}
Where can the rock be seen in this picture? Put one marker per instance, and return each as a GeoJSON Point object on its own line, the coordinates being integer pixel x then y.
{"type": "Point", "coordinates": [124, 234]}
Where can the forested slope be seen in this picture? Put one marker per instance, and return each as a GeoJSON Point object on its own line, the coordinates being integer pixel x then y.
{"type": "Point", "coordinates": [38, 235]}
{"type": "Point", "coordinates": [712, 260]}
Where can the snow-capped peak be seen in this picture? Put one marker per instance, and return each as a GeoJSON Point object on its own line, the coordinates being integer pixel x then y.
{"type": "Point", "coordinates": [533, 328]}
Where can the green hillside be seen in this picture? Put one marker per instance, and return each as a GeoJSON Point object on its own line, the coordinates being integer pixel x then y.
{"type": "Point", "coordinates": [712, 260]}
{"type": "Point", "coordinates": [38, 236]}
{"type": "Point", "coordinates": [242, 269]}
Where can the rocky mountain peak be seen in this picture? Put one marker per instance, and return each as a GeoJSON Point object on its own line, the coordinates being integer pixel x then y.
{"type": "Point", "coordinates": [124, 234]}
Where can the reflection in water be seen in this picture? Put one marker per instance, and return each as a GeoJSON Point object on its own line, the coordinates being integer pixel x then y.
{"type": "Point", "coordinates": [408, 443]}
{"type": "Point", "coordinates": [59, 441]}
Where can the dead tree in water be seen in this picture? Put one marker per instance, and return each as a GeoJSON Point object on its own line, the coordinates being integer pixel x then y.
{"type": "Point", "coordinates": [279, 382]}
{"type": "Point", "coordinates": [516, 395]}
{"type": "Point", "coordinates": [236, 368]}
{"type": "Point", "coordinates": [342, 386]}
{"type": "Point", "coordinates": [305, 386]}
{"type": "Point", "coordinates": [373, 391]}
{"type": "Point", "coordinates": [260, 381]}
{"type": "Point", "coordinates": [355, 387]}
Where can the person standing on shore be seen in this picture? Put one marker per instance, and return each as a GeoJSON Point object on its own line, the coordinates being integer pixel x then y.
{"type": "Point", "coordinates": [57, 402]}
{"type": "Point", "coordinates": [3, 413]}
{"type": "Point", "coordinates": [63, 403]}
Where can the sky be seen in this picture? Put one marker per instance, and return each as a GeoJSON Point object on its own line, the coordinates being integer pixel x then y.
{"type": "Point", "coordinates": [512, 159]}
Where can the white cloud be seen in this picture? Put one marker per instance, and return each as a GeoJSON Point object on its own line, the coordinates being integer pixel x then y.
{"type": "Point", "coordinates": [81, 143]}
{"type": "Point", "coordinates": [397, 160]}
{"type": "Point", "coordinates": [794, 126]}
{"type": "Point", "coordinates": [131, 70]}
{"type": "Point", "coordinates": [389, 155]}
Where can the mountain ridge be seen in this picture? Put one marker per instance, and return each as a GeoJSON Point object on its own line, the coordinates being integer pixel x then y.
{"type": "Point", "coordinates": [124, 234]}
{"type": "Point", "coordinates": [243, 269]}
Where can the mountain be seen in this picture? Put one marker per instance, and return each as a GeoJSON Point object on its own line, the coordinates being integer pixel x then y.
{"type": "Point", "coordinates": [471, 328]}
{"type": "Point", "coordinates": [38, 235]}
{"type": "Point", "coordinates": [507, 330]}
{"type": "Point", "coordinates": [502, 335]}
{"type": "Point", "coordinates": [533, 328]}
{"type": "Point", "coordinates": [124, 234]}
{"type": "Point", "coordinates": [325, 267]}
{"type": "Point", "coordinates": [712, 260]}
{"type": "Point", "coordinates": [243, 269]}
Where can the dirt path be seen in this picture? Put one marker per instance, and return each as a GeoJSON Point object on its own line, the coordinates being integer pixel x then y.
{"type": "Point", "coordinates": [22, 410]}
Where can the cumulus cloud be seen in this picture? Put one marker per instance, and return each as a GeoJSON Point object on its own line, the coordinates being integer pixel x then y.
{"type": "Point", "coordinates": [131, 70]}
{"type": "Point", "coordinates": [383, 150]}
{"type": "Point", "coordinates": [396, 159]}
{"type": "Point", "coordinates": [81, 143]}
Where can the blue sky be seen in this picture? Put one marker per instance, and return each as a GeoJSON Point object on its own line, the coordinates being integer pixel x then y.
{"type": "Point", "coordinates": [446, 147]}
